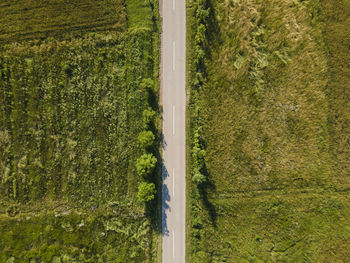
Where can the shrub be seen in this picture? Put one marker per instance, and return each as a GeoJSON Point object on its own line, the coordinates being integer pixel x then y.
{"type": "Point", "coordinates": [199, 178]}
{"type": "Point", "coordinates": [146, 192]}
{"type": "Point", "coordinates": [147, 83]}
{"type": "Point", "coordinates": [198, 159]}
{"type": "Point", "coordinates": [67, 68]}
{"type": "Point", "coordinates": [145, 164]}
{"type": "Point", "coordinates": [148, 116]}
{"type": "Point", "coordinates": [146, 138]}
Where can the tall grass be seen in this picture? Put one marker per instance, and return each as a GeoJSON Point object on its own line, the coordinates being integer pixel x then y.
{"type": "Point", "coordinates": [272, 123]}
{"type": "Point", "coordinates": [34, 19]}
{"type": "Point", "coordinates": [72, 96]}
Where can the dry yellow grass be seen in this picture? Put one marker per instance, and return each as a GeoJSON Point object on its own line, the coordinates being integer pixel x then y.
{"type": "Point", "coordinates": [270, 115]}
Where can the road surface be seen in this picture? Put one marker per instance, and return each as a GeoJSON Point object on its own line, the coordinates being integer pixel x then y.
{"type": "Point", "coordinates": [173, 63]}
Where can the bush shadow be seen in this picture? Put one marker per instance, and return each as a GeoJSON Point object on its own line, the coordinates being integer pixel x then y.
{"type": "Point", "coordinates": [203, 190]}
{"type": "Point", "coordinates": [165, 201]}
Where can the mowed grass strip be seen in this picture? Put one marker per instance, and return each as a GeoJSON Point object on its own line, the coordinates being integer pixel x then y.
{"type": "Point", "coordinates": [274, 111]}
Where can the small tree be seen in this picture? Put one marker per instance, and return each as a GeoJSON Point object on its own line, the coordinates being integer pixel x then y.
{"type": "Point", "coordinates": [148, 116]}
{"type": "Point", "coordinates": [146, 138]}
{"type": "Point", "coordinates": [67, 68]}
{"type": "Point", "coordinates": [198, 178]}
{"type": "Point", "coordinates": [146, 192]}
{"type": "Point", "coordinates": [145, 164]}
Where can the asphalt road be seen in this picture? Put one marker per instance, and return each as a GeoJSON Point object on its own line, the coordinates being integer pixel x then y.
{"type": "Point", "coordinates": [173, 98]}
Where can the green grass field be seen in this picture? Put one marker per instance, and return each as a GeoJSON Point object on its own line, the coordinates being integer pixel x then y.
{"type": "Point", "coordinates": [274, 112]}
{"type": "Point", "coordinates": [72, 97]}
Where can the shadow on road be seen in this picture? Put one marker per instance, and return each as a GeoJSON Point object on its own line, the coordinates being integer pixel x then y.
{"type": "Point", "coordinates": [164, 144]}
{"type": "Point", "coordinates": [165, 201]}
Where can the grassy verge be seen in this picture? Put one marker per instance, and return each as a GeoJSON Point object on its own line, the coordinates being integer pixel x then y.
{"type": "Point", "coordinates": [189, 74]}
{"type": "Point", "coordinates": [269, 110]}
{"type": "Point", "coordinates": [73, 92]}
{"type": "Point", "coordinates": [336, 22]}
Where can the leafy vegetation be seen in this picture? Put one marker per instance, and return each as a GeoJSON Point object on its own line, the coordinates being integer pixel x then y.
{"type": "Point", "coordinates": [76, 91]}
{"type": "Point", "coordinates": [146, 192]}
{"type": "Point", "coordinates": [269, 118]}
{"type": "Point", "coordinates": [146, 138]}
{"type": "Point", "coordinates": [76, 235]}
{"type": "Point", "coordinates": [145, 164]}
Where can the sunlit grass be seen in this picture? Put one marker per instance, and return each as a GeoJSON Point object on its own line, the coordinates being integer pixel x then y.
{"type": "Point", "coordinates": [71, 105]}
{"type": "Point", "coordinates": [274, 110]}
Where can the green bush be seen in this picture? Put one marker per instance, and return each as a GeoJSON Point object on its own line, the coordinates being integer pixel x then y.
{"type": "Point", "coordinates": [146, 192]}
{"type": "Point", "coordinates": [198, 161]}
{"type": "Point", "coordinates": [145, 164]}
{"type": "Point", "coordinates": [199, 178]}
{"type": "Point", "coordinates": [147, 83]}
{"type": "Point", "coordinates": [146, 138]}
{"type": "Point", "coordinates": [148, 116]}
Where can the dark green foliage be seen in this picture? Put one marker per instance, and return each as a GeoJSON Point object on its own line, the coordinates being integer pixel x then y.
{"type": "Point", "coordinates": [199, 176]}
{"type": "Point", "coordinates": [197, 151]}
{"type": "Point", "coordinates": [198, 159]}
{"type": "Point", "coordinates": [148, 117]}
{"type": "Point", "coordinates": [146, 192]}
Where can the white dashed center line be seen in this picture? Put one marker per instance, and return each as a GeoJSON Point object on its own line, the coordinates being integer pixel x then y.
{"type": "Point", "coordinates": [174, 120]}
{"type": "Point", "coordinates": [174, 56]}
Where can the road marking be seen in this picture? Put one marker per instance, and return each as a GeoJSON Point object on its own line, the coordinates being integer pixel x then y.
{"type": "Point", "coordinates": [173, 244]}
{"type": "Point", "coordinates": [174, 120]}
{"type": "Point", "coordinates": [174, 182]}
{"type": "Point", "coordinates": [174, 55]}
{"type": "Point", "coordinates": [173, 4]}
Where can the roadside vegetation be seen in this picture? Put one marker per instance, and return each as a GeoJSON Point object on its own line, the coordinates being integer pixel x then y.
{"type": "Point", "coordinates": [79, 139]}
{"type": "Point", "coordinates": [269, 131]}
